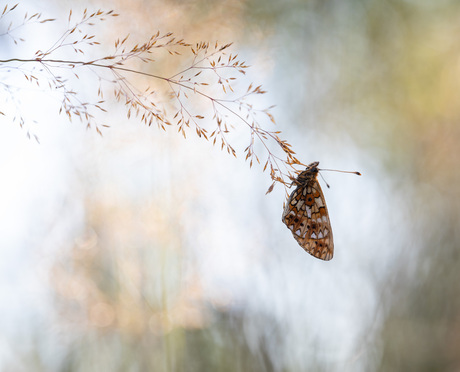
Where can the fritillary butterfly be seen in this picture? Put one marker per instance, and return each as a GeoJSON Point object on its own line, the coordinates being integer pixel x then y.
{"type": "Point", "coordinates": [306, 214]}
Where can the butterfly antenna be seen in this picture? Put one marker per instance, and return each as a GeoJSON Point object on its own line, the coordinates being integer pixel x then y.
{"type": "Point", "coordinates": [341, 171]}
{"type": "Point", "coordinates": [325, 181]}
{"type": "Point", "coordinates": [335, 170]}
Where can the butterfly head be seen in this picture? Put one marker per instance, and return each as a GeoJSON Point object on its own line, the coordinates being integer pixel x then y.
{"type": "Point", "coordinates": [310, 173]}
{"type": "Point", "coordinates": [313, 166]}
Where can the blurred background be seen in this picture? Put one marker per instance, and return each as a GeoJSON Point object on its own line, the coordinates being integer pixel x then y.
{"type": "Point", "coordinates": [145, 251]}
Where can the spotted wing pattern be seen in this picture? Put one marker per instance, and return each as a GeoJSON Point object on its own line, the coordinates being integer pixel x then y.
{"type": "Point", "coordinates": [305, 214]}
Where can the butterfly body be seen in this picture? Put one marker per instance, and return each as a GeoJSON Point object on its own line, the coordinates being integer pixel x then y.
{"type": "Point", "coordinates": [306, 215]}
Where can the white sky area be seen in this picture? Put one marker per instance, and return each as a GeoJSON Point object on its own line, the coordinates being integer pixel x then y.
{"type": "Point", "coordinates": [244, 249]}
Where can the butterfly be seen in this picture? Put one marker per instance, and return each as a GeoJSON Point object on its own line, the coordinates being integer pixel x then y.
{"type": "Point", "coordinates": [306, 215]}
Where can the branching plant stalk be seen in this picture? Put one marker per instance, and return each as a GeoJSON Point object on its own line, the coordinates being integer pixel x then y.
{"type": "Point", "coordinates": [190, 80]}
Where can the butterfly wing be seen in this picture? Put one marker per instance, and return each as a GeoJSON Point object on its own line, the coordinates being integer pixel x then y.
{"type": "Point", "coordinates": [307, 217]}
